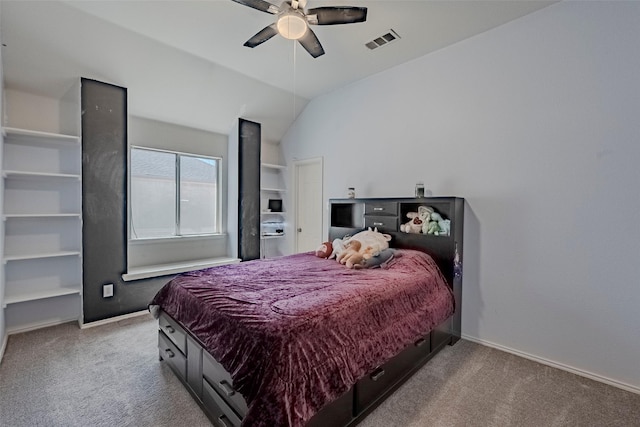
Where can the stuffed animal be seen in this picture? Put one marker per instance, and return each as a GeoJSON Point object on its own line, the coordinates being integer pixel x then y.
{"type": "Point", "coordinates": [338, 247]}
{"type": "Point", "coordinates": [351, 255]}
{"type": "Point", "coordinates": [372, 240]}
{"type": "Point", "coordinates": [432, 228]}
{"type": "Point", "coordinates": [379, 259]}
{"type": "Point", "coordinates": [414, 225]}
{"type": "Point", "coordinates": [424, 213]}
{"type": "Point", "coordinates": [444, 225]}
{"type": "Point", "coordinates": [324, 250]}
{"type": "Point", "coordinates": [438, 225]}
{"type": "Point", "coordinates": [418, 220]}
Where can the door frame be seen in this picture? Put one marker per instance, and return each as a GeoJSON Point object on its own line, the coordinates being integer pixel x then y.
{"type": "Point", "coordinates": [294, 197]}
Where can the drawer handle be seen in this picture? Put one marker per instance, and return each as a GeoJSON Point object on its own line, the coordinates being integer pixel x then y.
{"type": "Point", "coordinates": [225, 421]}
{"type": "Point", "coordinates": [169, 353]}
{"type": "Point", "coordinates": [226, 387]}
{"type": "Point", "coordinates": [378, 223]}
{"type": "Point", "coordinates": [170, 329]}
{"type": "Point", "coordinates": [420, 342]}
{"type": "Point", "coordinates": [378, 209]}
{"type": "Point", "coordinates": [377, 374]}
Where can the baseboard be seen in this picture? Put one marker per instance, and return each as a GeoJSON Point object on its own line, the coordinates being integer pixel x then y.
{"type": "Point", "coordinates": [547, 362]}
{"type": "Point", "coordinates": [39, 325]}
{"type": "Point", "coordinates": [113, 319]}
{"type": "Point", "coordinates": [5, 339]}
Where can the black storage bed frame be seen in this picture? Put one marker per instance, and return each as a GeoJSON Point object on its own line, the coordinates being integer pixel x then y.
{"type": "Point", "coordinates": [212, 387]}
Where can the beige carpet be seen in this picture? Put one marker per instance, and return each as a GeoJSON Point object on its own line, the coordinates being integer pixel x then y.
{"type": "Point", "coordinates": [110, 376]}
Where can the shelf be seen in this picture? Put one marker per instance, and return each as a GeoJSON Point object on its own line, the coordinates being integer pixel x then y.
{"type": "Point", "coordinates": [9, 174]}
{"type": "Point", "coordinates": [273, 190]}
{"type": "Point", "coordinates": [38, 295]}
{"type": "Point", "coordinates": [272, 166]}
{"type": "Point", "coordinates": [271, 236]}
{"type": "Point", "coordinates": [42, 215]}
{"type": "Point", "coordinates": [30, 136]}
{"type": "Point", "coordinates": [41, 255]}
{"type": "Point", "coordinates": [272, 213]}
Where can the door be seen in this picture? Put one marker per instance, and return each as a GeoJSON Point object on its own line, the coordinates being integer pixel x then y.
{"type": "Point", "coordinates": [308, 204]}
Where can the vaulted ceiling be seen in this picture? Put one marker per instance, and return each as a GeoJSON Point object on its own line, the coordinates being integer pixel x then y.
{"type": "Point", "coordinates": [50, 43]}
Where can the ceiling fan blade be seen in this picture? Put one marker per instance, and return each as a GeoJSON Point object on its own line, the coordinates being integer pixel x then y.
{"type": "Point", "coordinates": [311, 43]}
{"type": "Point", "coordinates": [262, 36]}
{"type": "Point", "coordinates": [260, 5]}
{"type": "Point", "coordinates": [336, 15]}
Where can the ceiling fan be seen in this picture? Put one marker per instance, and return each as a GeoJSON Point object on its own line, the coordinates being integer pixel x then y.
{"type": "Point", "coordinates": [293, 22]}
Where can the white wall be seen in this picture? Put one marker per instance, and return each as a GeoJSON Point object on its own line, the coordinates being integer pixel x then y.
{"type": "Point", "coordinates": [33, 112]}
{"type": "Point", "coordinates": [535, 124]}
{"type": "Point", "coordinates": [3, 336]}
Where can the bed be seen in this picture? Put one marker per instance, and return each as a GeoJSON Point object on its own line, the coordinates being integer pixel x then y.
{"type": "Point", "coordinates": [301, 340]}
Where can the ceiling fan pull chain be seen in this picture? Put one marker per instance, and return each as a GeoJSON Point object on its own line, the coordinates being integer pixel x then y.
{"type": "Point", "coordinates": [293, 42]}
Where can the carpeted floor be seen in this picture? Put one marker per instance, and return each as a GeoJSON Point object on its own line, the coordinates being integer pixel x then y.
{"type": "Point", "coordinates": [110, 376]}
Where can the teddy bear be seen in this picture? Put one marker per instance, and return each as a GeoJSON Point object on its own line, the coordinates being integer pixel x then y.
{"type": "Point", "coordinates": [414, 225]}
{"type": "Point", "coordinates": [351, 255]}
{"type": "Point", "coordinates": [419, 220]}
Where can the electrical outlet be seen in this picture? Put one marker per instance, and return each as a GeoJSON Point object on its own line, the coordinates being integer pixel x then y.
{"type": "Point", "coordinates": [107, 290]}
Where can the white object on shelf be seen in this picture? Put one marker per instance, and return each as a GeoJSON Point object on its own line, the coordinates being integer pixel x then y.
{"type": "Point", "coordinates": [272, 236]}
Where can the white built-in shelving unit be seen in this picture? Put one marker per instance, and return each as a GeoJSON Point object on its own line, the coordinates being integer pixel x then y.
{"type": "Point", "coordinates": [42, 217]}
{"type": "Point", "coordinates": [271, 187]}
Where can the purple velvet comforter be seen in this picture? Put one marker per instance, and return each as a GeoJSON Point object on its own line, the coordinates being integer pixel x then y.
{"type": "Point", "coordinates": [296, 332]}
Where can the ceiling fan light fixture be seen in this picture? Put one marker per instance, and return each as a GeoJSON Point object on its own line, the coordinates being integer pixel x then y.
{"type": "Point", "coordinates": [292, 26]}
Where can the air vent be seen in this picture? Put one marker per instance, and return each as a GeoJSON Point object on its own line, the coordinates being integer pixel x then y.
{"type": "Point", "coordinates": [382, 40]}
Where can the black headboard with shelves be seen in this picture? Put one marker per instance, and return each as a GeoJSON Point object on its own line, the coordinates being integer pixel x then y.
{"type": "Point", "coordinates": [348, 216]}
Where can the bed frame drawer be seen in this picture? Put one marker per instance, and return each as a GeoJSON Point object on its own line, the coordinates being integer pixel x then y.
{"type": "Point", "coordinates": [172, 355]}
{"type": "Point", "coordinates": [441, 335]}
{"type": "Point", "coordinates": [381, 381]}
{"type": "Point", "coordinates": [173, 331]}
{"type": "Point", "coordinates": [382, 223]}
{"type": "Point", "coordinates": [219, 412]}
{"type": "Point", "coordinates": [381, 208]}
{"type": "Point", "coordinates": [220, 380]}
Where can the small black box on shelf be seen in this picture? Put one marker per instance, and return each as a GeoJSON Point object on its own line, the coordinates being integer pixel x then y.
{"type": "Point", "coordinates": [275, 205]}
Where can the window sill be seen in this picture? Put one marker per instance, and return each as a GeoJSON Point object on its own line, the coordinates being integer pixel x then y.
{"type": "Point", "coordinates": [152, 240]}
{"type": "Point", "coordinates": [158, 270]}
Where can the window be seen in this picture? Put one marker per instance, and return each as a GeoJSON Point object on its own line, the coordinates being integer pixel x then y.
{"type": "Point", "coordinates": [173, 194]}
